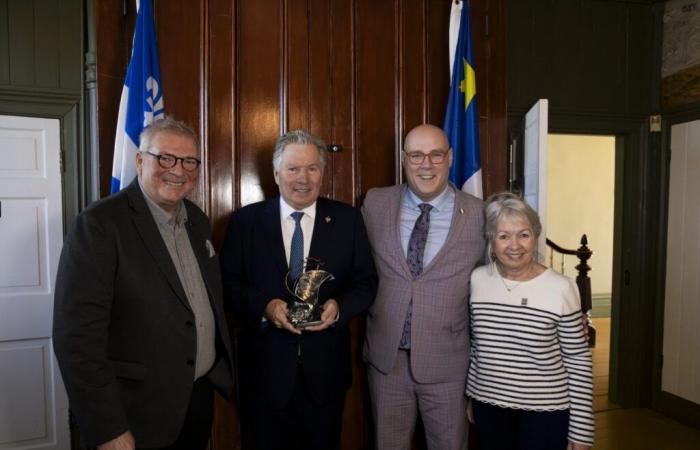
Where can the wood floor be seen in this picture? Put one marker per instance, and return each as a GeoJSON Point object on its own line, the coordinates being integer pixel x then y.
{"type": "Point", "coordinates": [630, 429]}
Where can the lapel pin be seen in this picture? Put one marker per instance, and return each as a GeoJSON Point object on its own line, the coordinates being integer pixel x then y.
{"type": "Point", "coordinates": [461, 210]}
{"type": "Point", "coordinates": [523, 301]}
{"type": "Point", "coordinates": [328, 219]}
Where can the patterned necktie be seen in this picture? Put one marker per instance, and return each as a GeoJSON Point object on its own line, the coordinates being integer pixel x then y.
{"type": "Point", "coordinates": [296, 252]}
{"type": "Point", "coordinates": [414, 259]}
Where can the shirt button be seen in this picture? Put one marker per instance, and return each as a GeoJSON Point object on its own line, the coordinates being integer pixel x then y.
{"type": "Point", "coordinates": [190, 362]}
{"type": "Point", "coordinates": [189, 324]}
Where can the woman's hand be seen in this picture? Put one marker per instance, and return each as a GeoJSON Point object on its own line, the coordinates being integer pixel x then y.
{"type": "Point", "coordinates": [577, 446]}
{"type": "Point", "coordinates": [470, 413]}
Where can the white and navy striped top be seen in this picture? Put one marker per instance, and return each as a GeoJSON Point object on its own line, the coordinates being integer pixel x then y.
{"type": "Point", "coordinates": [528, 348]}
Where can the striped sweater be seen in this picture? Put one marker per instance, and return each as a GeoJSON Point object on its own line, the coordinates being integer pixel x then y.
{"type": "Point", "coordinates": [528, 347]}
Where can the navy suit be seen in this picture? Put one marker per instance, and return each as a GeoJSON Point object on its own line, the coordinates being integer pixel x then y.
{"type": "Point", "coordinates": [254, 266]}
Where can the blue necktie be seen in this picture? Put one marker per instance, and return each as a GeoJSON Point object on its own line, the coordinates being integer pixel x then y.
{"type": "Point", "coordinates": [296, 252]}
{"type": "Point", "coordinates": [414, 259]}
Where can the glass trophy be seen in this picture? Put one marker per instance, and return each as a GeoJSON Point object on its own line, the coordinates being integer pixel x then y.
{"type": "Point", "coordinates": [304, 310]}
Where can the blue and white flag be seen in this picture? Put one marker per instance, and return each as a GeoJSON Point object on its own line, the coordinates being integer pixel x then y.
{"type": "Point", "coordinates": [142, 99]}
{"type": "Point", "coordinates": [462, 117]}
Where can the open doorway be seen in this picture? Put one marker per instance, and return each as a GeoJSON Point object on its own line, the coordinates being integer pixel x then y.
{"type": "Point", "coordinates": [581, 200]}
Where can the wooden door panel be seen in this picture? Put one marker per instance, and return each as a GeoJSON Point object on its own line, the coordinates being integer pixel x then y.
{"type": "Point", "coordinates": [220, 137]}
{"type": "Point", "coordinates": [259, 68]}
{"type": "Point", "coordinates": [179, 24]}
{"type": "Point", "coordinates": [342, 120]}
{"type": "Point", "coordinates": [376, 135]}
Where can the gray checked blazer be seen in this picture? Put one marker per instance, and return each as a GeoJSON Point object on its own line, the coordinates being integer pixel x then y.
{"type": "Point", "coordinates": [440, 321]}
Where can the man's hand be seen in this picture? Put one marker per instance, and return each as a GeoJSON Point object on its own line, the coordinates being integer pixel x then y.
{"type": "Point", "coordinates": [124, 441]}
{"type": "Point", "coordinates": [328, 316]}
{"type": "Point", "coordinates": [276, 314]}
{"type": "Point", "coordinates": [575, 446]}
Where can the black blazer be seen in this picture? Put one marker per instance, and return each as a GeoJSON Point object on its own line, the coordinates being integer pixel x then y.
{"type": "Point", "coordinates": [123, 329]}
{"type": "Point", "coordinates": [254, 265]}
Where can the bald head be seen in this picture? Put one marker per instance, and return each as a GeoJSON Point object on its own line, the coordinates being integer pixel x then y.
{"type": "Point", "coordinates": [426, 132]}
{"type": "Point", "coordinates": [426, 161]}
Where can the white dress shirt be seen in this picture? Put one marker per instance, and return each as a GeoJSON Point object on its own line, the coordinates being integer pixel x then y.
{"type": "Point", "coordinates": [288, 224]}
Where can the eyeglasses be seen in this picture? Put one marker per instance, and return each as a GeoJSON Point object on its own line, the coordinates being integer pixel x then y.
{"type": "Point", "coordinates": [167, 161]}
{"type": "Point", "coordinates": [435, 157]}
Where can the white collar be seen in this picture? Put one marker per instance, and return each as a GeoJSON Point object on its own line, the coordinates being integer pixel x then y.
{"type": "Point", "coordinates": [286, 210]}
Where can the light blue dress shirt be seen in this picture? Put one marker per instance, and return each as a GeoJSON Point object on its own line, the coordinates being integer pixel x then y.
{"type": "Point", "coordinates": [440, 220]}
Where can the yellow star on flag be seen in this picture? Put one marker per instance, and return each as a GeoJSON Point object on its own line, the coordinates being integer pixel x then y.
{"type": "Point", "coordinates": [468, 84]}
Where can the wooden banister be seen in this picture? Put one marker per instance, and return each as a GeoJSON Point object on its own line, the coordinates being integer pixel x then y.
{"type": "Point", "coordinates": [583, 281]}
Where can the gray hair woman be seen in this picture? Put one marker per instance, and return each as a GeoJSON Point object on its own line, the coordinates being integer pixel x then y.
{"type": "Point", "coordinates": [530, 383]}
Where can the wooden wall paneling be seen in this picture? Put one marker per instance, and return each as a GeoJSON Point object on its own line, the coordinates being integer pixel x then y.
{"type": "Point", "coordinates": [320, 80]}
{"type": "Point", "coordinates": [179, 25]}
{"type": "Point", "coordinates": [40, 43]}
{"type": "Point", "coordinates": [606, 58]}
{"type": "Point", "coordinates": [603, 48]}
{"type": "Point", "coordinates": [46, 46]}
{"type": "Point", "coordinates": [376, 93]}
{"type": "Point", "coordinates": [437, 59]}
{"type": "Point", "coordinates": [413, 72]}
{"type": "Point", "coordinates": [221, 143]}
{"type": "Point", "coordinates": [21, 37]}
{"type": "Point", "coordinates": [297, 61]}
{"type": "Point", "coordinates": [4, 44]}
{"type": "Point", "coordinates": [70, 77]}
{"type": "Point", "coordinates": [341, 99]}
{"type": "Point", "coordinates": [221, 140]}
{"type": "Point", "coordinates": [259, 68]}
{"type": "Point", "coordinates": [113, 48]}
{"type": "Point", "coordinates": [494, 150]}
{"type": "Point", "coordinates": [518, 13]}
{"type": "Point", "coordinates": [340, 130]}
{"type": "Point", "coordinates": [639, 69]}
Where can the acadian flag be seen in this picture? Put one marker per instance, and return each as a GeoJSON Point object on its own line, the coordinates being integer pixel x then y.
{"type": "Point", "coordinates": [142, 99]}
{"type": "Point", "coordinates": [462, 117]}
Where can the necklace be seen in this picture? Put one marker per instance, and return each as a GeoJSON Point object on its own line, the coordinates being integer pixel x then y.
{"type": "Point", "coordinates": [511, 287]}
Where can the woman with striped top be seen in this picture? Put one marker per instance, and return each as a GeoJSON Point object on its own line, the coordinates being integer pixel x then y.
{"type": "Point", "coordinates": [529, 382]}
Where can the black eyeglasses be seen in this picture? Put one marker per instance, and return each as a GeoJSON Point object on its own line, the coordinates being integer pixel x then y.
{"type": "Point", "coordinates": [435, 157]}
{"type": "Point", "coordinates": [167, 161]}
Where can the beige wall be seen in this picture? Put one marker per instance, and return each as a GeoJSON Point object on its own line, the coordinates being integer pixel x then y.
{"type": "Point", "coordinates": [581, 194]}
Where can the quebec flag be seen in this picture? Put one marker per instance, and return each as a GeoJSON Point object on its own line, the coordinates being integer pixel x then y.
{"type": "Point", "coordinates": [142, 99]}
{"type": "Point", "coordinates": [462, 117]}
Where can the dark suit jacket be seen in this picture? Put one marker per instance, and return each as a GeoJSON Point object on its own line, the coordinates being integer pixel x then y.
{"type": "Point", "coordinates": [123, 329]}
{"type": "Point", "coordinates": [254, 265]}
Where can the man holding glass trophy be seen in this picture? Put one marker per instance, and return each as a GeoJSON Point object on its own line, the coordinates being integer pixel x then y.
{"type": "Point", "coordinates": [296, 269]}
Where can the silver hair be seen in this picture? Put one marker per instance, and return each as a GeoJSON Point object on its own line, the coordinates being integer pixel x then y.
{"type": "Point", "coordinates": [302, 137]}
{"type": "Point", "coordinates": [166, 125]}
{"type": "Point", "coordinates": [507, 205]}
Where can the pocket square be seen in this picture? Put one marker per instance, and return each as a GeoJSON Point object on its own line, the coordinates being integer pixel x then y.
{"type": "Point", "coordinates": [210, 248]}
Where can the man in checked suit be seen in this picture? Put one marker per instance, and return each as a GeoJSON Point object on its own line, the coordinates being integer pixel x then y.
{"type": "Point", "coordinates": [426, 238]}
{"type": "Point", "coordinates": [139, 327]}
{"type": "Point", "coordinates": [293, 381]}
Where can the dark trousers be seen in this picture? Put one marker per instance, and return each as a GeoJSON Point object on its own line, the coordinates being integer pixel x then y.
{"type": "Point", "coordinates": [514, 429]}
{"type": "Point", "coordinates": [301, 424]}
{"type": "Point", "coordinates": [196, 430]}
